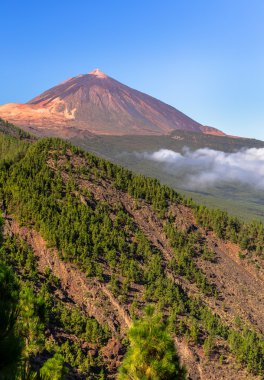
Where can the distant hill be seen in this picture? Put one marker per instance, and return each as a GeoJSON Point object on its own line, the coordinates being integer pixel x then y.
{"type": "Point", "coordinates": [97, 104]}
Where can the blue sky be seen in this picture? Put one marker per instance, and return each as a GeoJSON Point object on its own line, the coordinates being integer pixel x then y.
{"type": "Point", "coordinates": [204, 57]}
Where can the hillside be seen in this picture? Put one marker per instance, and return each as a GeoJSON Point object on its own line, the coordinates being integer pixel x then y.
{"type": "Point", "coordinates": [92, 244]}
{"type": "Point", "coordinates": [247, 203]}
{"type": "Point", "coordinates": [97, 104]}
{"type": "Point", "coordinates": [243, 202]}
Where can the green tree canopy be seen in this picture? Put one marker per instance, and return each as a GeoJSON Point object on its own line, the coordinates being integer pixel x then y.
{"type": "Point", "coordinates": [10, 343]}
{"type": "Point", "coordinates": [152, 354]}
{"type": "Point", "coordinates": [54, 368]}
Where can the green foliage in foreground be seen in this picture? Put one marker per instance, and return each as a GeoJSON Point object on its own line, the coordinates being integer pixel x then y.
{"type": "Point", "coordinates": [152, 354]}
{"type": "Point", "coordinates": [28, 310]}
{"type": "Point", "coordinates": [54, 368]}
{"type": "Point", "coordinates": [10, 342]}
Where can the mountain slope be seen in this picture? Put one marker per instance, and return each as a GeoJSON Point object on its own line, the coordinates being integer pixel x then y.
{"type": "Point", "coordinates": [115, 242]}
{"type": "Point", "coordinates": [101, 105]}
{"type": "Point", "coordinates": [128, 151]}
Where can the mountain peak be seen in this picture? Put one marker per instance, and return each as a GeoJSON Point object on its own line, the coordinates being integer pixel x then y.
{"type": "Point", "coordinates": [98, 73]}
{"type": "Point", "coordinates": [101, 105]}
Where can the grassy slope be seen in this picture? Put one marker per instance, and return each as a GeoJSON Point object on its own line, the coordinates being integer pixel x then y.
{"type": "Point", "coordinates": [243, 202]}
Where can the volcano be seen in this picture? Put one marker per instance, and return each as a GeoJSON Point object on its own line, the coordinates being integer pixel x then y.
{"type": "Point", "coordinates": [97, 104]}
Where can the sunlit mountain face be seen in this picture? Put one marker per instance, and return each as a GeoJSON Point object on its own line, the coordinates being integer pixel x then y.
{"type": "Point", "coordinates": [96, 104]}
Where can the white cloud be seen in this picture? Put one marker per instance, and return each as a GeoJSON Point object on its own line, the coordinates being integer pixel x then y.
{"type": "Point", "coordinates": [206, 167]}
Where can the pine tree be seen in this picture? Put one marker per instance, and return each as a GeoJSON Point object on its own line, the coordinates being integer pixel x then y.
{"type": "Point", "coordinates": [152, 354]}
{"type": "Point", "coordinates": [54, 368]}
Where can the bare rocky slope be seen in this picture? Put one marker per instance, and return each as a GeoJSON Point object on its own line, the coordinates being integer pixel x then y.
{"type": "Point", "coordinates": [117, 242]}
{"type": "Point", "coordinates": [97, 104]}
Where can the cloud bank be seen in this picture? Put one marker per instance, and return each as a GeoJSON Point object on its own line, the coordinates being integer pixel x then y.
{"type": "Point", "coordinates": [206, 167]}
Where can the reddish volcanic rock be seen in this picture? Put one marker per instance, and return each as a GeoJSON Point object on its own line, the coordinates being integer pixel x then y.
{"type": "Point", "coordinates": [212, 131]}
{"type": "Point", "coordinates": [101, 105]}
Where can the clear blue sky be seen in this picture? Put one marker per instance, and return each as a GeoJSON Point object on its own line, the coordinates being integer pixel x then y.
{"type": "Point", "coordinates": [204, 57]}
